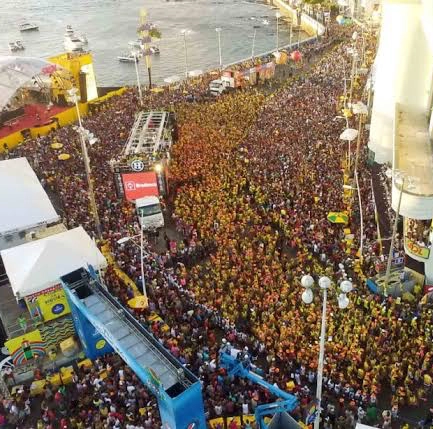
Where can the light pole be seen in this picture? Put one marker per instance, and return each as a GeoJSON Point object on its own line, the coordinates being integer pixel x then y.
{"type": "Point", "coordinates": [127, 239]}
{"type": "Point", "coordinates": [349, 135]}
{"type": "Point", "coordinates": [278, 16]}
{"type": "Point", "coordinates": [254, 41]}
{"type": "Point", "coordinates": [400, 179]}
{"type": "Point", "coordinates": [84, 134]}
{"type": "Point", "coordinates": [361, 110]}
{"type": "Point", "coordinates": [325, 283]}
{"type": "Point", "coordinates": [352, 74]}
{"type": "Point", "coordinates": [185, 32]}
{"type": "Point", "coordinates": [140, 94]}
{"type": "Point", "coordinates": [290, 36]}
{"type": "Point", "coordinates": [218, 30]}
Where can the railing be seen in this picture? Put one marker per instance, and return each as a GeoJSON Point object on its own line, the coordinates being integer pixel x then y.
{"type": "Point", "coordinates": [142, 332]}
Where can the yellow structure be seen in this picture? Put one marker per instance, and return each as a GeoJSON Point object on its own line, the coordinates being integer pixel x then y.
{"type": "Point", "coordinates": [105, 249]}
{"type": "Point", "coordinates": [61, 82]}
{"type": "Point", "coordinates": [73, 63]}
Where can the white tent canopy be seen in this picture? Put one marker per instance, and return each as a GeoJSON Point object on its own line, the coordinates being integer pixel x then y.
{"type": "Point", "coordinates": [17, 71]}
{"type": "Point", "coordinates": [24, 203]}
{"type": "Point", "coordinates": [38, 265]}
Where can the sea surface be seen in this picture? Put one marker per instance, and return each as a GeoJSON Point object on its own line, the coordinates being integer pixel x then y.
{"type": "Point", "coordinates": [110, 24]}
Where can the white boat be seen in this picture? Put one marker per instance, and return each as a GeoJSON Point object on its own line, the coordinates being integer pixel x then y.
{"type": "Point", "coordinates": [26, 27]}
{"type": "Point", "coordinates": [82, 38]}
{"type": "Point", "coordinates": [154, 49]}
{"type": "Point", "coordinates": [136, 44]}
{"type": "Point", "coordinates": [70, 34]}
{"type": "Point", "coordinates": [13, 46]}
{"type": "Point", "coordinates": [72, 43]}
{"type": "Point", "coordinates": [128, 58]}
{"type": "Point", "coordinates": [16, 46]}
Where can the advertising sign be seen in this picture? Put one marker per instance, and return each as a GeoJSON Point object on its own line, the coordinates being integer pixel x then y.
{"type": "Point", "coordinates": [51, 303]}
{"type": "Point", "coordinates": [138, 185]}
{"type": "Point", "coordinates": [24, 348]}
{"type": "Point", "coordinates": [416, 249]}
{"type": "Point", "coordinates": [94, 344]}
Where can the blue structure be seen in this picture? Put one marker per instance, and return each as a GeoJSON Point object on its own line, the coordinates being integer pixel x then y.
{"type": "Point", "coordinates": [103, 325]}
{"type": "Point", "coordinates": [288, 403]}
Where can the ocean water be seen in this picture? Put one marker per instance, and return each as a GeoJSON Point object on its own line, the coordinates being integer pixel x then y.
{"type": "Point", "coordinates": [110, 24]}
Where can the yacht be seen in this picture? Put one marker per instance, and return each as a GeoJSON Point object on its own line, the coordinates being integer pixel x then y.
{"type": "Point", "coordinates": [154, 49]}
{"type": "Point", "coordinates": [16, 46]}
{"type": "Point", "coordinates": [128, 58]}
{"type": "Point", "coordinates": [82, 38]}
{"type": "Point", "coordinates": [27, 27]}
{"type": "Point", "coordinates": [136, 44]}
{"type": "Point", "coordinates": [13, 46]}
{"type": "Point", "coordinates": [72, 43]}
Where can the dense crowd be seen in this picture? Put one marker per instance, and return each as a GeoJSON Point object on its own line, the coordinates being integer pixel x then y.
{"type": "Point", "coordinates": [254, 177]}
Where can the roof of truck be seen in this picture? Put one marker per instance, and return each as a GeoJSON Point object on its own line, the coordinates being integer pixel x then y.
{"type": "Point", "coordinates": [143, 201]}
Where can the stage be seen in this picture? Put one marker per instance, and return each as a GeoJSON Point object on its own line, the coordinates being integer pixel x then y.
{"type": "Point", "coordinates": [34, 116]}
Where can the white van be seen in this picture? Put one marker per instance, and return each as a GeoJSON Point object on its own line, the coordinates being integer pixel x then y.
{"type": "Point", "coordinates": [149, 213]}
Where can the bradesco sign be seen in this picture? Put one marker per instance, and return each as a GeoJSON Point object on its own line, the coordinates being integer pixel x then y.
{"type": "Point", "coordinates": [138, 185]}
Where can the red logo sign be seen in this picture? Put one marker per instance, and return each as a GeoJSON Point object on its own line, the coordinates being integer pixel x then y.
{"type": "Point", "coordinates": [138, 185]}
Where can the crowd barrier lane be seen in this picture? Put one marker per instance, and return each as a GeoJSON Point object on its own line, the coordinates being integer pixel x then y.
{"type": "Point", "coordinates": [105, 249]}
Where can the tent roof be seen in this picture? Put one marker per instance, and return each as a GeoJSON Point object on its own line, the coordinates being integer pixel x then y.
{"type": "Point", "coordinates": [37, 265]}
{"type": "Point", "coordinates": [24, 203]}
{"type": "Point", "coordinates": [16, 71]}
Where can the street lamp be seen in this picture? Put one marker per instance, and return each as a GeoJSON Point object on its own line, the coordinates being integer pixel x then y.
{"type": "Point", "coordinates": [218, 30]}
{"type": "Point", "coordinates": [361, 110]}
{"type": "Point", "coordinates": [136, 57]}
{"type": "Point", "coordinates": [400, 179]}
{"type": "Point", "coordinates": [85, 134]}
{"type": "Point", "coordinates": [131, 238]}
{"type": "Point", "coordinates": [349, 135]}
{"type": "Point", "coordinates": [278, 16]}
{"type": "Point", "coordinates": [254, 42]}
{"type": "Point", "coordinates": [325, 283]}
{"type": "Point", "coordinates": [354, 54]}
{"type": "Point", "coordinates": [185, 32]}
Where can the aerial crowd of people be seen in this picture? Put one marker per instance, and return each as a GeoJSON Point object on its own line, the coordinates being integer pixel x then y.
{"type": "Point", "coordinates": [253, 177]}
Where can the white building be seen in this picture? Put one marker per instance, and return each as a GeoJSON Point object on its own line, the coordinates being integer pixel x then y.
{"type": "Point", "coordinates": [401, 129]}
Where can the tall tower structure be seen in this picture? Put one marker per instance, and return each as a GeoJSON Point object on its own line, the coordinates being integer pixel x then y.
{"type": "Point", "coordinates": [144, 35]}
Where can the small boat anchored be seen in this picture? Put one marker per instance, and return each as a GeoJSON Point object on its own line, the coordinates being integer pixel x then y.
{"type": "Point", "coordinates": [128, 58]}
{"type": "Point", "coordinates": [74, 41]}
{"type": "Point", "coordinates": [27, 27]}
{"type": "Point", "coordinates": [16, 46]}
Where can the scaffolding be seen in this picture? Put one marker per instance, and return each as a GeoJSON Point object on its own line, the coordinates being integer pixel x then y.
{"type": "Point", "coordinates": [150, 135]}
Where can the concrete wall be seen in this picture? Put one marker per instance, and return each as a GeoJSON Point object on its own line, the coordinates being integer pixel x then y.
{"type": "Point", "coordinates": [403, 68]}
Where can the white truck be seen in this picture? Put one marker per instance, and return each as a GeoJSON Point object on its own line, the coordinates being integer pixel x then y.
{"type": "Point", "coordinates": [219, 86]}
{"type": "Point", "coordinates": [149, 213]}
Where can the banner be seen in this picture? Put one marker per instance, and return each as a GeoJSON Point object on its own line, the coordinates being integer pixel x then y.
{"type": "Point", "coordinates": [138, 185]}
{"type": "Point", "coordinates": [416, 249]}
{"type": "Point", "coordinates": [24, 348]}
{"type": "Point", "coordinates": [51, 304]}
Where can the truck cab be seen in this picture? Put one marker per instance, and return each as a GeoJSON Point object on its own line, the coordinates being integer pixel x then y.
{"type": "Point", "coordinates": [219, 86]}
{"type": "Point", "coordinates": [149, 213]}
